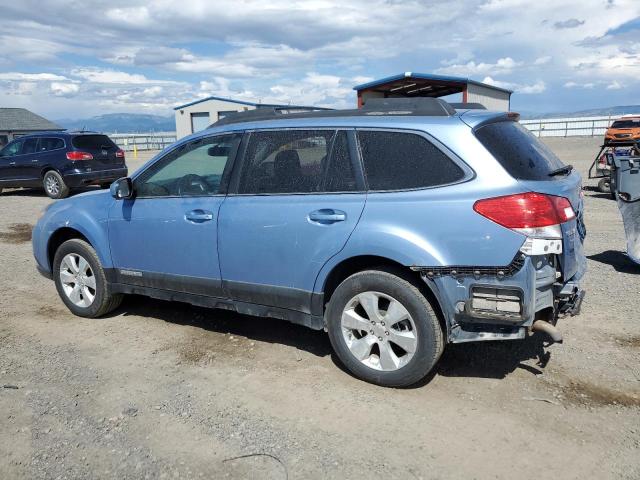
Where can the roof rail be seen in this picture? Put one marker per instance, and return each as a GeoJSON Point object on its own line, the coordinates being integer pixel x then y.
{"type": "Point", "coordinates": [428, 107]}
{"type": "Point", "coordinates": [468, 106]}
{"type": "Point", "coordinates": [265, 113]}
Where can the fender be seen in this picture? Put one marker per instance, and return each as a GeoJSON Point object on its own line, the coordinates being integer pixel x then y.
{"type": "Point", "coordinates": [76, 216]}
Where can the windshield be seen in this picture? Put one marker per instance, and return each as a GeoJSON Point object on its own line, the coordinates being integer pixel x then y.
{"type": "Point", "coordinates": [518, 151]}
{"type": "Point", "coordinates": [630, 123]}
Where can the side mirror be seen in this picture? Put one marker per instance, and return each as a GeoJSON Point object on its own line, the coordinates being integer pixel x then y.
{"type": "Point", "coordinates": [121, 188]}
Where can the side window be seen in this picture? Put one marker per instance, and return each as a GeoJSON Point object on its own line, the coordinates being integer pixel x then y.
{"type": "Point", "coordinates": [47, 144]}
{"type": "Point", "coordinates": [30, 146]}
{"type": "Point", "coordinates": [194, 169]}
{"type": "Point", "coordinates": [12, 149]}
{"type": "Point", "coordinates": [285, 161]}
{"type": "Point", "coordinates": [340, 175]}
{"type": "Point", "coordinates": [398, 161]}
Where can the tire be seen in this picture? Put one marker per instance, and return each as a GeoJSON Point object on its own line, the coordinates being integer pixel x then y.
{"type": "Point", "coordinates": [612, 184]}
{"type": "Point", "coordinates": [103, 300]}
{"type": "Point", "coordinates": [54, 185]}
{"type": "Point", "coordinates": [604, 185]}
{"type": "Point", "coordinates": [428, 342]}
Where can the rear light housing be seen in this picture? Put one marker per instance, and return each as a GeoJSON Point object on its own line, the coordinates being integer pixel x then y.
{"type": "Point", "coordinates": [536, 215]}
{"type": "Point", "coordinates": [120, 153]}
{"type": "Point", "coordinates": [75, 156]}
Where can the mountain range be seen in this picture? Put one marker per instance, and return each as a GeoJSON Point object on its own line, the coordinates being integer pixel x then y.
{"type": "Point", "coordinates": [121, 123]}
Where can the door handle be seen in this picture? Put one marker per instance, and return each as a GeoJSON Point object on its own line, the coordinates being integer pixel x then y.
{"type": "Point", "coordinates": [35, 161]}
{"type": "Point", "coordinates": [198, 216]}
{"type": "Point", "coordinates": [12, 163]}
{"type": "Point", "coordinates": [327, 216]}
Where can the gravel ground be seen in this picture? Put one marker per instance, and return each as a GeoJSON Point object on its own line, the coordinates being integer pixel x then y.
{"type": "Point", "coordinates": [165, 390]}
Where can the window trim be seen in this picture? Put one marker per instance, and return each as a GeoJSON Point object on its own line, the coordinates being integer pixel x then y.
{"type": "Point", "coordinates": [224, 180]}
{"type": "Point", "coordinates": [234, 184]}
{"type": "Point", "coordinates": [468, 173]}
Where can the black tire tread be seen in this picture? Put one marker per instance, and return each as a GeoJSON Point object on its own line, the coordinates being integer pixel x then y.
{"type": "Point", "coordinates": [110, 301]}
{"type": "Point", "coordinates": [64, 189]}
{"type": "Point", "coordinates": [437, 347]}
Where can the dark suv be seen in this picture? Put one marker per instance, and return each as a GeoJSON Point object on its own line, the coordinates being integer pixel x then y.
{"type": "Point", "coordinates": [60, 161]}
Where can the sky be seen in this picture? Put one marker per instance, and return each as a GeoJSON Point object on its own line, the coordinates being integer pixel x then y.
{"type": "Point", "coordinates": [76, 59]}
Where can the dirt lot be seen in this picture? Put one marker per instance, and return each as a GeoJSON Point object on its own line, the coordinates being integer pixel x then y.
{"type": "Point", "coordinates": [162, 390]}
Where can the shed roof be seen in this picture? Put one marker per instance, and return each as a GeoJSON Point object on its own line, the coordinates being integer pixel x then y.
{"type": "Point", "coordinates": [22, 120]}
{"type": "Point", "coordinates": [441, 84]}
{"type": "Point", "coordinates": [243, 102]}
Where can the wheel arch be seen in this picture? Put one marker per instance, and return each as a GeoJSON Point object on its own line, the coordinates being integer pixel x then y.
{"type": "Point", "coordinates": [349, 266]}
{"type": "Point", "coordinates": [61, 235]}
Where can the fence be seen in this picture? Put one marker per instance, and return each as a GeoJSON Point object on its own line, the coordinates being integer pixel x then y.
{"type": "Point", "coordinates": [143, 141]}
{"type": "Point", "coordinates": [570, 127]}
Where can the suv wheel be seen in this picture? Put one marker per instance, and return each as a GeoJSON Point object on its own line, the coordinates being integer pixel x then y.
{"type": "Point", "coordinates": [54, 185]}
{"type": "Point", "coordinates": [81, 282]}
{"type": "Point", "coordinates": [383, 329]}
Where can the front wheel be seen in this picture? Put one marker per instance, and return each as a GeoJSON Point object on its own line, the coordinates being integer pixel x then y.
{"type": "Point", "coordinates": [384, 329]}
{"type": "Point", "coordinates": [81, 281]}
{"type": "Point", "coordinates": [54, 185]}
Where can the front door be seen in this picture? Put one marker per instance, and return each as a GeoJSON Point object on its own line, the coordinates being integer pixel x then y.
{"type": "Point", "coordinates": [286, 218]}
{"type": "Point", "coordinates": [8, 156]}
{"type": "Point", "coordinates": [166, 237]}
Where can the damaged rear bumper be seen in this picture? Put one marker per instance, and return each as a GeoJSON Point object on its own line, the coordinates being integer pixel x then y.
{"type": "Point", "coordinates": [502, 303]}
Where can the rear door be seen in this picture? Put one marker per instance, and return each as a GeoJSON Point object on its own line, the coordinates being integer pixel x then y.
{"type": "Point", "coordinates": [532, 163]}
{"type": "Point", "coordinates": [295, 202]}
{"type": "Point", "coordinates": [105, 153]}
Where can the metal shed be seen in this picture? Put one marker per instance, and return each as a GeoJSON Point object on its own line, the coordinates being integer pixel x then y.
{"type": "Point", "coordinates": [199, 114]}
{"type": "Point", "coordinates": [15, 122]}
{"type": "Point", "coordinates": [410, 84]}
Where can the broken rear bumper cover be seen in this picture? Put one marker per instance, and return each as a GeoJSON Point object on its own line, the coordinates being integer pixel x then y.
{"type": "Point", "coordinates": [502, 303]}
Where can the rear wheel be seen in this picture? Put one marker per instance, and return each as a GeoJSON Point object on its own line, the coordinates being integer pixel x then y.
{"type": "Point", "coordinates": [81, 281]}
{"type": "Point", "coordinates": [612, 184]}
{"type": "Point", "coordinates": [383, 329]}
{"type": "Point", "coordinates": [604, 185]}
{"type": "Point", "coordinates": [54, 185]}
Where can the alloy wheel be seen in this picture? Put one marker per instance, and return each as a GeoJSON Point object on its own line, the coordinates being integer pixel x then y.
{"type": "Point", "coordinates": [379, 331]}
{"type": "Point", "coordinates": [78, 280]}
{"type": "Point", "coordinates": [52, 185]}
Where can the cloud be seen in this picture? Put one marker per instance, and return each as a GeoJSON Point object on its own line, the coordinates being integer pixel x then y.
{"type": "Point", "coordinates": [308, 51]}
{"type": "Point", "coordinates": [537, 87]}
{"type": "Point", "coordinates": [60, 89]}
{"type": "Point", "coordinates": [571, 23]}
{"type": "Point", "coordinates": [542, 60]}
{"type": "Point", "coordinates": [31, 77]}
{"type": "Point", "coordinates": [502, 65]}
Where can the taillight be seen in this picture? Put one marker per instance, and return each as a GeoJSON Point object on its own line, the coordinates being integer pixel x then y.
{"type": "Point", "coordinates": [79, 156]}
{"type": "Point", "coordinates": [120, 153]}
{"type": "Point", "coordinates": [526, 210]}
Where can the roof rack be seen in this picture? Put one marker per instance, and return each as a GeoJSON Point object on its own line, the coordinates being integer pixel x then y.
{"type": "Point", "coordinates": [428, 107]}
{"type": "Point", "coordinates": [468, 106]}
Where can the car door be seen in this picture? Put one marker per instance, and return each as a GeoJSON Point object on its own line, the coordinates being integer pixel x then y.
{"type": "Point", "coordinates": [166, 237]}
{"type": "Point", "coordinates": [50, 152]}
{"type": "Point", "coordinates": [24, 163]}
{"type": "Point", "coordinates": [291, 207]}
{"type": "Point", "coordinates": [8, 155]}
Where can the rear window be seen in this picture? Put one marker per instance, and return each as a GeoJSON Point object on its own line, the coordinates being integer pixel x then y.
{"type": "Point", "coordinates": [518, 151]}
{"type": "Point", "coordinates": [630, 123]}
{"type": "Point", "coordinates": [93, 142]}
{"type": "Point", "coordinates": [401, 161]}
{"type": "Point", "coordinates": [47, 144]}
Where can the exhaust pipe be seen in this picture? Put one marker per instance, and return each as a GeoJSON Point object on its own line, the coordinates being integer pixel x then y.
{"type": "Point", "coordinates": [550, 330]}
